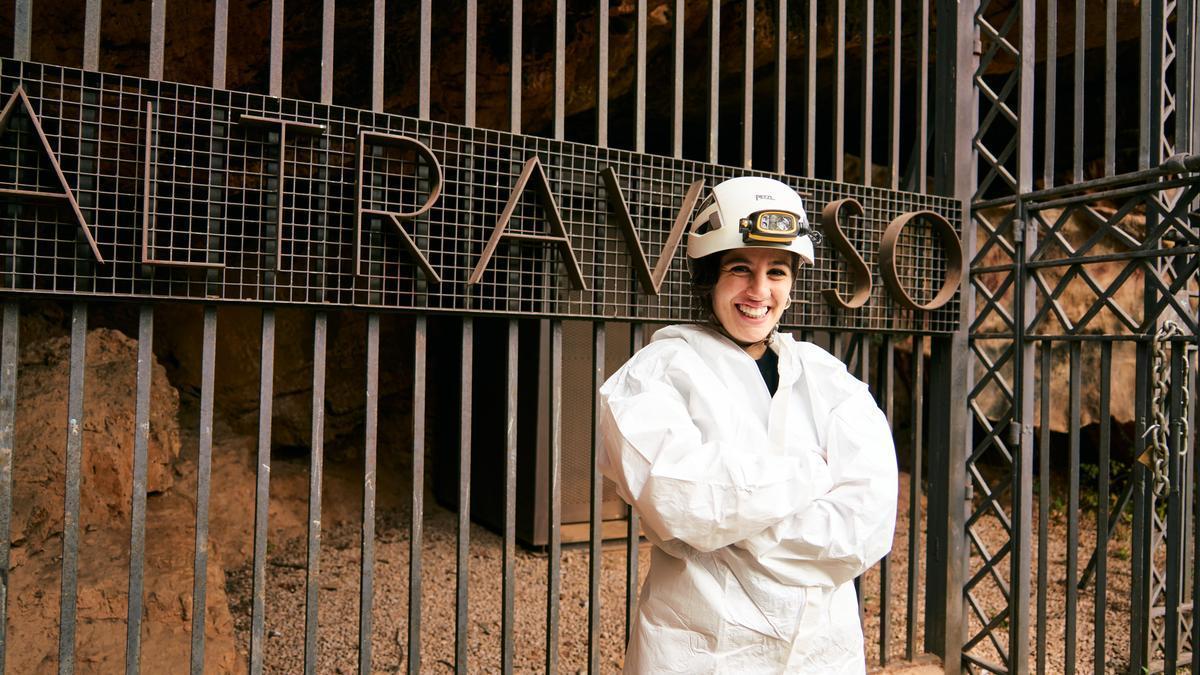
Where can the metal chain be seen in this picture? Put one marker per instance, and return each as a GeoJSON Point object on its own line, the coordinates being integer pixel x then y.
{"type": "Point", "coordinates": [1159, 431]}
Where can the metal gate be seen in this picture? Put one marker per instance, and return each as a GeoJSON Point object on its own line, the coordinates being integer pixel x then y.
{"type": "Point", "coordinates": [1082, 317]}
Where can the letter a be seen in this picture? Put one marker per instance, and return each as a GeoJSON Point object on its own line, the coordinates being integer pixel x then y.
{"type": "Point", "coordinates": [66, 193]}
{"type": "Point", "coordinates": [532, 169]}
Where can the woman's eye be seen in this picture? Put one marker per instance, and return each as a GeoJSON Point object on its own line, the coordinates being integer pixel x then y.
{"type": "Point", "coordinates": [739, 269]}
{"type": "Point", "coordinates": [777, 273]}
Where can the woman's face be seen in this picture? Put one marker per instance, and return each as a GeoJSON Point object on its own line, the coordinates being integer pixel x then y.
{"type": "Point", "coordinates": [753, 288]}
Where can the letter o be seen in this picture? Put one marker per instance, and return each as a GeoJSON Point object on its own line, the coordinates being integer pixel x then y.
{"type": "Point", "coordinates": [951, 245]}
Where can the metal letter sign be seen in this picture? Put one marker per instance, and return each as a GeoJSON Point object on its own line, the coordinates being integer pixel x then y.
{"type": "Point", "coordinates": [121, 187]}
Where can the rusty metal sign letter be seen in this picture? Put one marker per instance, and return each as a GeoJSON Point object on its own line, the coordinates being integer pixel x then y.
{"type": "Point", "coordinates": [954, 260]}
{"type": "Point", "coordinates": [532, 169]}
{"type": "Point", "coordinates": [148, 203]}
{"type": "Point", "coordinates": [38, 195]}
{"type": "Point", "coordinates": [831, 223]}
{"type": "Point", "coordinates": [651, 280]}
{"type": "Point", "coordinates": [377, 138]}
{"type": "Point", "coordinates": [303, 128]}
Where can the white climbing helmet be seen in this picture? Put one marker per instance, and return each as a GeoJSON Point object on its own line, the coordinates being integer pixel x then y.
{"type": "Point", "coordinates": [751, 211]}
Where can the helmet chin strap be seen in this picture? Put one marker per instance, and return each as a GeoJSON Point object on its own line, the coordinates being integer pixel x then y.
{"type": "Point", "coordinates": [714, 324]}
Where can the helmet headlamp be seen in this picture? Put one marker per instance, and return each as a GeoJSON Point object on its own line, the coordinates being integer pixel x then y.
{"type": "Point", "coordinates": [770, 227]}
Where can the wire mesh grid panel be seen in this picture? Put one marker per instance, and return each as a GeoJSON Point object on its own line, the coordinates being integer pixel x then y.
{"type": "Point", "coordinates": [186, 192]}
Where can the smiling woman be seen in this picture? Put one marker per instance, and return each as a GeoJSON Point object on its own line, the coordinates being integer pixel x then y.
{"type": "Point", "coordinates": [753, 288]}
{"type": "Point", "coordinates": [763, 472]}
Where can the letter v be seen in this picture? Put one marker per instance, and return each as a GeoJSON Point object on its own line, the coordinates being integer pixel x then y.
{"type": "Point", "coordinates": [651, 281]}
{"type": "Point", "coordinates": [66, 194]}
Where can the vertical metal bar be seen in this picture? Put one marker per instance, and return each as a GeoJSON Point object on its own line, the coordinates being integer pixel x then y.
{"type": "Point", "coordinates": [315, 469]}
{"type": "Point", "coordinates": [91, 35]}
{"type": "Point", "coordinates": [137, 519]}
{"type": "Point", "coordinates": [810, 138]}
{"type": "Point", "coordinates": [677, 80]}
{"type": "Point", "coordinates": [317, 446]}
{"type": "Point", "coordinates": [948, 504]}
{"type": "Point", "coordinates": [378, 39]}
{"type": "Point", "coordinates": [868, 84]}
{"type": "Point", "coordinates": [602, 74]}
{"type": "Point", "coordinates": [158, 20]}
{"type": "Point", "coordinates": [366, 602]}
{"type": "Point", "coordinates": [1072, 590]}
{"type": "Point", "coordinates": [1043, 562]}
{"type": "Point", "coordinates": [366, 586]}
{"type": "Point", "coordinates": [639, 85]}
{"type": "Point", "coordinates": [1191, 93]}
{"type": "Point", "coordinates": [9, 337]}
{"type": "Point", "coordinates": [514, 83]}
{"type": "Point", "coordinates": [510, 501]}
{"type": "Point", "coordinates": [1022, 468]}
{"type": "Point", "coordinates": [923, 98]}
{"type": "Point", "coordinates": [887, 395]}
{"type": "Point", "coordinates": [914, 494]}
{"type": "Point", "coordinates": [781, 49]}
{"type": "Point", "coordinates": [1102, 506]}
{"type": "Point", "coordinates": [220, 41]}
{"type": "Point", "coordinates": [748, 87]}
{"type": "Point", "coordinates": [560, 67]}
{"type": "Point", "coordinates": [1150, 92]}
{"type": "Point", "coordinates": [275, 82]}
{"type": "Point", "coordinates": [951, 369]}
{"type": "Point", "coordinates": [262, 498]}
{"type": "Point", "coordinates": [74, 456]}
{"type": "Point", "coordinates": [203, 487]}
{"type": "Point", "coordinates": [1110, 87]}
{"type": "Point", "coordinates": [714, 77]}
{"type": "Point", "coordinates": [863, 373]}
{"type": "Point", "coordinates": [327, 18]}
{"type": "Point", "coordinates": [472, 40]}
{"type": "Point", "coordinates": [1050, 95]}
{"type": "Point", "coordinates": [416, 536]}
{"type": "Point", "coordinates": [554, 495]}
{"type": "Point", "coordinates": [1175, 525]}
{"type": "Point", "coordinates": [461, 597]}
{"type": "Point", "coordinates": [637, 338]}
{"type": "Point", "coordinates": [839, 95]}
{"type": "Point", "coordinates": [1190, 448]}
{"type": "Point", "coordinates": [1185, 75]}
{"type": "Point", "coordinates": [426, 41]}
{"type": "Point", "coordinates": [595, 501]}
{"type": "Point", "coordinates": [22, 29]}
{"type": "Point", "coordinates": [1023, 390]}
{"type": "Point", "coordinates": [1139, 606]}
{"type": "Point", "coordinates": [1080, 55]}
{"type": "Point", "coordinates": [894, 129]}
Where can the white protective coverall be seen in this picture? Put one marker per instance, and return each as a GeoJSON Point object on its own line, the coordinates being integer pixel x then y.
{"type": "Point", "coordinates": [762, 509]}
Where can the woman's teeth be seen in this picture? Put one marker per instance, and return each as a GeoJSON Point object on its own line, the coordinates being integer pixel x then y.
{"type": "Point", "coordinates": [752, 312]}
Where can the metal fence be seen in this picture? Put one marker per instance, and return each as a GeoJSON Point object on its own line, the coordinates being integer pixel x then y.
{"type": "Point", "coordinates": [343, 246]}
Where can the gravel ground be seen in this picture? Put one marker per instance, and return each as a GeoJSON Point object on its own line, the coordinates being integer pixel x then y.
{"type": "Point", "coordinates": [339, 602]}
{"type": "Point", "coordinates": [339, 593]}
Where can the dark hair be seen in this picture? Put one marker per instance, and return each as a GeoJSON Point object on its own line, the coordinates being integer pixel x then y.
{"type": "Point", "coordinates": [705, 273]}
